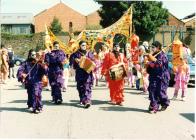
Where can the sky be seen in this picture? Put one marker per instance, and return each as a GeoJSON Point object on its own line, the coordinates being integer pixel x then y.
{"type": "Point", "coordinates": [180, 9]}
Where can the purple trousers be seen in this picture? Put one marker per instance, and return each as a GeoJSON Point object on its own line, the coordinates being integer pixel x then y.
{"type": "Point", "coordinates": [56, 81]}
{"type": "Point", "coordinates": [56, 93]}
{"type": "Point", "coordinates": [158, 93]}
{"type": "Point", "coordinates": [85, 91]}
{"type": "Point", "coordinates": [34, 96]}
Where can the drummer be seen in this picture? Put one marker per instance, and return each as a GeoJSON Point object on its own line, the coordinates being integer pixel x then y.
{"type": "Point", "coordinates": [84, 79]}
{"type": "Point", "coordinates": [116, 86]}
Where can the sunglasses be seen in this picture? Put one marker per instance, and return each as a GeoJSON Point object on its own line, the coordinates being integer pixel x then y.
{"type": "Point", "coordinates": [83, 45]}
{"type": "Point", "coordinates": [56, 45]}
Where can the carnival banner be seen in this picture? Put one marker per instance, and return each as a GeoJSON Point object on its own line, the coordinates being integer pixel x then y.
{"type": "Point", "coordinates": [106, 35]}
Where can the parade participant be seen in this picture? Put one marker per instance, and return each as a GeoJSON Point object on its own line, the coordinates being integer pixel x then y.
{"type": "Point", "coordinates": [159, 76]}
{"type": "Point", "coordinates": [145, 80]}
{"type": "Point", "coordinates": [55, 60]}
{"type": "Point", "coordinates": [30, 73]}
{"type": "Point", "coordinates": [116, 86]}
{"type": "Point", "coordinates": [96, 71]}
{"type": "Point", "coordinates": [139, 67]}
{"type": "Point", "coordinates": [182, 77]}
{"type": "Point", "coordinates": [48, 87]}
{"type": "Point", "coordinates": [186, 50]}
{"type": "Point", "coordinates": [1, 76]}
{"type": "Point", "coordinates": [84, 79]}
{"type": "Point", "coordinates": [104, 50]}
{"type": "Point", "coordinates": [66, 73]}
{"type": "Point", "coordinates": [146, 46]}
{"type": "Point", "coordinates": [138, 77]}
{"type": "Point", "coordinates": [130, 76]}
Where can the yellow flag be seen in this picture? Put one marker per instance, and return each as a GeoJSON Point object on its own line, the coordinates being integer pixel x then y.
{"type": "Point", "coordinates": [50, 38]}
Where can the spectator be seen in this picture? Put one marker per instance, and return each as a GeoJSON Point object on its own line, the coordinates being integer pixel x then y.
{"type": "Point", "coordinates": [11, 62]}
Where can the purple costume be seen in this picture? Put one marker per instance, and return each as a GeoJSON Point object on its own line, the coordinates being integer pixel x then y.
{"type": "Point", "coordinates": [55, 74]}
{"type": "Point", "coordinates": [32, 83]}
{"type": "Point", "coordinates": [84, 80]}
{"type": "Point", "coordinates": [159, 80]}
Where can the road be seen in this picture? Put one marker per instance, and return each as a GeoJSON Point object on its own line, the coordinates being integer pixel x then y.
{"type": "Point", "coordinates": [101, 120]}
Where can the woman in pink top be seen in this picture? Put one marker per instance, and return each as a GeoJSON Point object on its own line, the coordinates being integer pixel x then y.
{"type": "Point", "coordinates": [182, 77]}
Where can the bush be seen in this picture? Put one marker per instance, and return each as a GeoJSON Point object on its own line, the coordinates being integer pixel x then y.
{"type": "Point", "coordinates": [12, 37]}
{"type": "Point", "coordinates": [55, 26]}
{"type": "Point", "coordinates": [62, 34]}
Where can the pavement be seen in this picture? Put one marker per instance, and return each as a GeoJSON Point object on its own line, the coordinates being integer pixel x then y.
{"type": "Point", "coordinates": [101, 121]}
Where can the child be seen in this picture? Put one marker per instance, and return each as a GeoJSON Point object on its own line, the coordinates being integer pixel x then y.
{"type": "Point", "coordinates": [145, 80]}
{"type": "Point", "coordinates": [131, 76]}
{"type": "Point", "coordinates": [66, 74]}
{"type": "Point", "coordinates": [182, 77]}
{"type": "Point", "coordinates": [96, 71]}
{"type": "Point", "coordinates": [138, 77]}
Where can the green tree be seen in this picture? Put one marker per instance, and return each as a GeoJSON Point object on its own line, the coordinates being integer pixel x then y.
{"type": "Point", "coordinates": [148, 16]}
{"type": "Point", "coordinates": [55, 26]}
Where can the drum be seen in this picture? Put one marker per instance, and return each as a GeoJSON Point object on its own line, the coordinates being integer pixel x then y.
{"type": "Point", "coordinates": [117, 72]}
{"type": "Point", "coordinates": [86, 64]}
{"type": "Point", "coordinates": [44, 81]}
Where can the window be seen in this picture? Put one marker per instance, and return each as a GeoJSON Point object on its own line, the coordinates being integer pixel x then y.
{"type": "Point", "coordinates": [6, 28]}
{"type": "Point", "coordinates": [22, 30]}
{"type": "Point", "coordinates": [70, 27]}
{"type": "Point", "coordinates": [70, 24]}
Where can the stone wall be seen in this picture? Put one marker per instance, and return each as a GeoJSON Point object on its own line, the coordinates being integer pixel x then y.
{"type": "Point", "coordinates": [22, 44]}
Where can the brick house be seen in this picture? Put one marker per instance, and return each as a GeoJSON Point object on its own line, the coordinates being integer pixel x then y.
{"type": "Point", "coordinates": [174, 21]}
{"type": "Point", "coordinates": [189, 22]}
{"type": "Point", "coordinates": [169, 30]}
{"type": "Point", "coordinates": [175, 28]}
{"type": "Point", "coordinates": [70, 19]}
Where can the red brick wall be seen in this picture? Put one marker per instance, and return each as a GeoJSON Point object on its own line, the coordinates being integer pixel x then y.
{"type": "Point", "coordinates": [93, 19]}
{"type": "Point", "coordinates": [190, 24]}
{"type": "Point", "coordinates": [172, 20]}
{"type": "Point", "coordinates": [65, 15]}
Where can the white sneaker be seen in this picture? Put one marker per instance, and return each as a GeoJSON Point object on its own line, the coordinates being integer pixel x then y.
{"type": "Point", "coordinates": [183, 98]}
{"type": "Point", "coordinates": [174, 97]}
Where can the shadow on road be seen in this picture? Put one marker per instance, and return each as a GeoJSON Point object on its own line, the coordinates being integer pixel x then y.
{"type": "Point", "coordinates": [14, 109]}
{"type": "Point", "coordinates": [94, 102]}
{"type": "Point", "coordinates": [71, 85]}
{"type": "Point", "coordinates": [129, 88]}
{"type": "Point", "coordinates": [15, 89]}
{"type": "Point", "coordinates": [136, 93]}
{"type": "Point", "coordinates": [18, 101]}
{"type": "Point", "coordinates": [119, 108]}
{"type": "Point", "coordinates": [99, 88]}
{"type": "Point", "coordinates": [189, 116]}
{"type": "Point", "coordinates": [48, 103]}
{"type": "Point", "coordinates": [99, 102]}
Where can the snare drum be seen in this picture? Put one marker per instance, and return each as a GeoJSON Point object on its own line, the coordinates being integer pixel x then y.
{"type": "Point", "coordinates": [87, 64]}
{"type": "Point", "coordinates": [117, 72]}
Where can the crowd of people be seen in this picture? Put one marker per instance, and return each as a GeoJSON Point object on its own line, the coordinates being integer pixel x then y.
{"type": "Point", "coordinates": [150, 74]}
